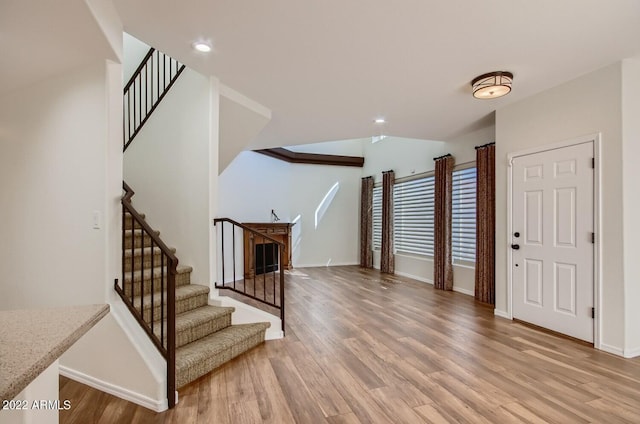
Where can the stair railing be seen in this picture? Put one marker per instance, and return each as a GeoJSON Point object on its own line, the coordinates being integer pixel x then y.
{"type": "Point", "coordinates": [156, 316]}
{"type": "Point", "coordinates": [145, 90]}
{"type": "Point", "coordinates": [266, 288]}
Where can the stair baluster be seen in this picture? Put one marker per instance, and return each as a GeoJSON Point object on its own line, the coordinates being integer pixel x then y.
{"type": "Point", "coordinates": [144, 312]}
{"type": "Point", "coordinates": [148, 85]}
{"type": "Point", "coordinates": [248, 286]}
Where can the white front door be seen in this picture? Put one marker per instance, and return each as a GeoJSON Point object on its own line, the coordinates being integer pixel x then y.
{"type": "Point", "coordinates": [552, 244]}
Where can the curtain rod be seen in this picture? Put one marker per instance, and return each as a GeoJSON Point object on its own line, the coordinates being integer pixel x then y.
{"type": "Point", "coordinates": [443, 156]}
{"type": "Point", "coordinates": [370, 176]}
{"type": "Point", "coordinates": [386, 172]}
{"type": "Point", "coordinates": [485, 145]}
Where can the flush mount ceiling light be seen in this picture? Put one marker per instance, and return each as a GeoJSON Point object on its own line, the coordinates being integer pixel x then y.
{"type": "Point", "coordinates": [379, 121]}
{"type": "Point", "coordinates": [201, 46]}
{"type": "Point", "coordinates": [492, 85]}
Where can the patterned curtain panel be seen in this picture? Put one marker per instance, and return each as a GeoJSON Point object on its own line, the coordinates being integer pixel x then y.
{"type": "Point", "coordinates": [442, 264]}
{"type": "Point", "coordinates": [387, 263]}
{"type": "Point", "coordinates": [366, 223]}
{"type": "Point", "coordinates": [485, 224]}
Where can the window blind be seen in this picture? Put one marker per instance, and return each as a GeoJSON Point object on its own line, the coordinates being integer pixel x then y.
{"type": "Point", "coordinates": [413, 216]}
{"type": "Point", "coordinates": [377, 217]}
{"type": "Point", "coordinates": [463, 224]}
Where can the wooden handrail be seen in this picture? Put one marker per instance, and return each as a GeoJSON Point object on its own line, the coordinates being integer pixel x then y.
{"type": "Point", "coordinates": [167, 257]}
{"type": "Point", "coordinates": [142, 64]}
{"type": "Point", "coordinates": [126, 200]}
{"type": "Point", "coordinates": [144, 91]}
{"type": "Point", "coordinates": [251, 230]}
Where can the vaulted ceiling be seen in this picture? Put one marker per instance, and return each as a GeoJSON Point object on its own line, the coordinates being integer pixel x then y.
{"type": "Point", "coordinates": [327, 68]}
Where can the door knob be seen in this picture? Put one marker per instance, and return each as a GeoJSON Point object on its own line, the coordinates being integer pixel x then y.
{"type": "Point", "coordinates": [515, 246]}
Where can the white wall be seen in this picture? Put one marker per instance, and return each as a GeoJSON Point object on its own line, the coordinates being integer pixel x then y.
{"type": "Point", "coordinates": [133, 52]}
{"type": "Point", "coordinates": [407, 157]}
{"type": "Point", "coordinates": [112, 220]}
{"type": "Point", "coordinates": [254, 184]}
{"type": "Point", "coordinates": [325, 201]}
{"type": "Point", "coordinates": [105, 359]}
{"type": "Point", "coordinates": [168, 167]}
{"type": "Point", "coordinates": [52, 178]}
{"type": "Point", "coordinates": [587, 105]}
{"type": "Point", "coordinates": [61, 143]}
{"type": "Point", "coordinates": [630, 177]}
{"type": "Point", "coordinates": [251, 186]}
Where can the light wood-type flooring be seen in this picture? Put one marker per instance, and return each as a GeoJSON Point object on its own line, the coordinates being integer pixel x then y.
{"type": "Point", "coordinates": [361, 347]}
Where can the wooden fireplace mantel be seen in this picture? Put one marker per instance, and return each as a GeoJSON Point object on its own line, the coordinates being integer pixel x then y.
{"type": "Point", "coordinates": [280, 231]}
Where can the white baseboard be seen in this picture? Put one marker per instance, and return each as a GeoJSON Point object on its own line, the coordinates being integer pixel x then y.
{"type": "Point", "coordinates": [429, 281]}
{"type": "Point", "coordinates": [464, 291]}
{"type": "Point", "coordinates": [414, 277]}
{"type": "Point", "coordinates": [614, 350]}
{"type": "Point", "coordinates": [326, 264]}
{"type": "Point", "coordinates": [632, 353]}
{"type": "Point", "coordinates": [112, 389]}
{"type": "Point", "coordinates": [502, 314]}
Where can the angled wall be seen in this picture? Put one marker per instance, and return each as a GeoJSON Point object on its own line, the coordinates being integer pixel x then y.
{"type": "Point", "coordinates": [241, 120]}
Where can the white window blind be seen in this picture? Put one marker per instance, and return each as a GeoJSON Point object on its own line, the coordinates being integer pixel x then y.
{"type": "Point", "coordinates": [464, 215]}
{"type": "Point", "coordinates": [413, 216]}
{"type": "Point", "coordinates": [377, 217]}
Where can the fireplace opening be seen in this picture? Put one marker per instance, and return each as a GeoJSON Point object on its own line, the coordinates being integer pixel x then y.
{"type": "Point", "coordinates": [266, 258]}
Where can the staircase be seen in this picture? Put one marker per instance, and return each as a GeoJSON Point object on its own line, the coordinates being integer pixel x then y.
{"type": "Point", "coordinates": [193, 336]}
{"type": "Point", "coordinates": [204, 337]}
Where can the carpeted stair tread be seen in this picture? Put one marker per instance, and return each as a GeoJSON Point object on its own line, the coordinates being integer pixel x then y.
{"type": "Point", "coordinates": [202, 356]}
{"type": "Point", "coordinates": [134, 238]}
{"type": "Point", "coordinates": [128, 215]}
{"type": "Point", "coordinates": [188, 297]}
{"type": "Point", "coordinates": [204, 336]}
{"type": "Point", "coordinates": [199, 323]}
{"type": "Point", "coordinates": [157, 272]}
{"type": "Point", "coordinates": [146, 257]}
{"type": "Point", "coordinates": [128, 222]}
{"type": "Point", "coordinates": [147, 251]}
{"type": "Point", "coordinates": [138, 232]}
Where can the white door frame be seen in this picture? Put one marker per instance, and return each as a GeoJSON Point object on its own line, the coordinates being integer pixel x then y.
{"type": "Point", "coordinates": [597, 254]}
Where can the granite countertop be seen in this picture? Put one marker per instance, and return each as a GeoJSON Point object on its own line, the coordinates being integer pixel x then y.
{"type": "Point", "coordinates": [32, 339]}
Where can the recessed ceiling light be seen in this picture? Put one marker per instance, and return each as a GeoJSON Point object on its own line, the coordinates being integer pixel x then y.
{"type": "Point", "coordinates": [201, 46]}
{"type": "Point", "coordinates": [379, 121]}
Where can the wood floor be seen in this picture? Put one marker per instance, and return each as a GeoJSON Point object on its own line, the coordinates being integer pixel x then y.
{"type": "Point", "coordinates": [363, 348]}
